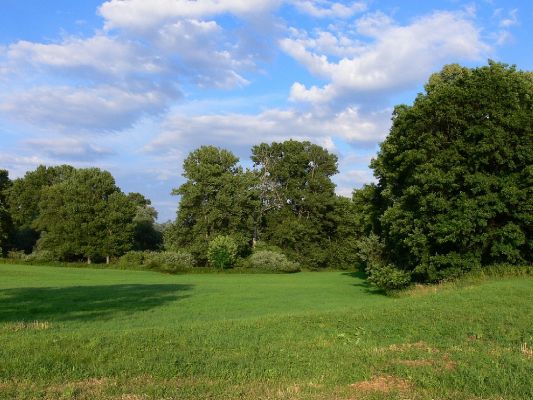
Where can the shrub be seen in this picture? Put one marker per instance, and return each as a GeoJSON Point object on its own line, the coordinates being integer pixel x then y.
{"type": "Point", "coordinates": [132, 258]}
{"type": "Point", "coordinates": [167, 261]}
{"type": "Point", "coordinates": [16, 255]}
{"type": "Point", "coordinates": [385, 276]}
{"type": "Point", "coordinates": [40, 256]}
{"type": "Point", "coordinates": [173, 261]}
{"type": "Point", "coordinates": [267, 260]}
{"type": "Point", "coordinates": [222, 252]}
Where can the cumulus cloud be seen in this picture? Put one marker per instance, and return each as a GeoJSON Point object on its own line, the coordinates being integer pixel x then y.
{"type": "Point", "coordinates": [242, 130]}
{"type": "Point", "coordinates": [83, 110]}
{"type": "Point", "coordinates": [329, 9]}
{"type": "Point", "coordinates": [68, 149]}
{"type": "Point", "coordinates": [102, 55]}
{"type": "Point", "coordinates": [397, 57]}
{"type": "Point", "coordinates": [142, 14]}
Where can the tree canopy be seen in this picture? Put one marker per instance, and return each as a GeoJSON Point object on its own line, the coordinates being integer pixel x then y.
{"type": "Point", "coordinates": [455, 175]}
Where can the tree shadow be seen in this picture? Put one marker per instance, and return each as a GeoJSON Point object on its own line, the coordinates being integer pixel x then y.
{"type": "Point", "coordinates": [362, 277]}
{"type": "Point", "coordinates": [84, 303]}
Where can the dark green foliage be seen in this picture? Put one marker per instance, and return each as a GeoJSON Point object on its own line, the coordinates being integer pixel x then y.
{"type": "Point", "coordinates": [24, 197]}
{"type": "Point", "coordinates": [222, 252]}
{"type": "Point", "coordinates": [297, 199]}
{"type": "Point", "coordinates": [146, 234]}
{"type": "Point", "coordinates": [455, 175]}
{"type": "Point", "coordinates": [216, 200]}
{"type": "Point", "coordinates": [169, 261]}
{"type": "Point", "coordinates": [85, 216]}
{"type": "Point", "coordinates": [6, 224]}
{"type": "Point", "coordinates": [271, 261]}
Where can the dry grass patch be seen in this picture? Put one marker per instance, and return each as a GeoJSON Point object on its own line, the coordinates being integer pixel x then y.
{"type": "Point", "coordinates": [526, 350]}
{"type": "Point", "coordinates": [23, 325]}
{"type": "Point", "coordinates": [383, 384]}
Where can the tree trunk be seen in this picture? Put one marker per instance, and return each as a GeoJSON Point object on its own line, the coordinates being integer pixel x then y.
{"type": "Point", "coordinates": [89, 260]}
{"type": "Point", "coordinates": [107, 260]}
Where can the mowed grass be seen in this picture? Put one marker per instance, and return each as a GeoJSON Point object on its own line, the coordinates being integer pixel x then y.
{"type": "Point", "coordinates": [107, 334]}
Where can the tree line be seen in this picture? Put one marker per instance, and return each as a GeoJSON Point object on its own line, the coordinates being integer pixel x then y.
{"type": "Point", "coordinates": [453, 193]}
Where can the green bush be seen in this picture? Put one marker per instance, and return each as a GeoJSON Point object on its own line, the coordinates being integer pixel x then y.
{"type": "Point", "coordinates": [380, 274]}
{"type": "Point", "coordinates": [166, 261]}
{"type": "Point", "coordinates": [222, 252]}
{"type": "Point", "coordinates": [16, 255]}
{"type": "Point", "coordinates": [267, 260]}
{"type": "Point", "coordinates": [173, 261]}
{"type": "Point", "coordinates": [40, 256]}
{"type": "Point", "coordinates": [132, 258]}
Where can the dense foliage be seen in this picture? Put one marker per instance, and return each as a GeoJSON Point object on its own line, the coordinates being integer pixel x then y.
{"type": "Point", "coordinates": [6, 226]}
{"type": "Point", "coordinates": [455, 178]}
{"type": "Point", "coordinates": [222, 252]}
{"type": "Point", "coordinates": [454, 193]}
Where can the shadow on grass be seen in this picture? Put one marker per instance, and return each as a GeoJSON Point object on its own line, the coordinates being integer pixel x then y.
{"type": "Point", "coordinates": [84, 303]}
{"type": "Point", "coordinates": [361, 276]}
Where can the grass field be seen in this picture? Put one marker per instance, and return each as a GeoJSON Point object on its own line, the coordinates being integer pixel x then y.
{"type": "Point", "coordinates": [107, 334]}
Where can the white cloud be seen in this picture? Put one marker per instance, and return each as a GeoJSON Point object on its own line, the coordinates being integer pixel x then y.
{"type": "Point", "coordinates": [329, 9]}
{"type": "Point", "coordinates": [99, 54]}
{"type": "Point", "coordinates": [68, 149]}
{"type": "Point", "coordinates": [510, 20]}
{"type": "Point", "coordinates": [142, 14]}
{"type": "Point", "coordinates": [399, 57]}
{"type": "Point", "coordinates": [242, 131]}
{"type": "Point", "coordinates": [82, 110]}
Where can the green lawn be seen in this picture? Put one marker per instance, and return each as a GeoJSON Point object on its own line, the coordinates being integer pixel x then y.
{"type": "Point", "coordinates": [109, 334]}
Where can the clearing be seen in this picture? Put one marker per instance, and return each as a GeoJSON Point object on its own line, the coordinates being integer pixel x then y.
{"type": "Point", "coordinates": [68, 333]}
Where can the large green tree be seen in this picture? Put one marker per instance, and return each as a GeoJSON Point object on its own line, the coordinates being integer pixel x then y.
{"type": "Point", "coordinates": [297, 198]}
{"type": "Point", "coordinates": [216, 199]}
{"type": "Point", "coordinates": [6, 225]}
{"type": "Point", "coordinates": [86, 215]}
{"type": "Point", "coordinates": [23, 199]}
{"type": "Point", "coordinates": [455, 175]}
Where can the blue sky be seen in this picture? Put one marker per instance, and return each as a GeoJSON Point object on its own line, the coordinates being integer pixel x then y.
{"type": "Point", "coordinates": [132, 86]}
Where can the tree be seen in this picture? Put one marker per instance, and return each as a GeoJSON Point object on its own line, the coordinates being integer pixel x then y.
{"type": "Point", "coordinates": [297, 198]}
{"type": "Point", "coordinates": [146, 236]}
{"type": "Point", "coordinates": [23, 200]}
{"type": "Point", "coordinates": [215, 200]}
{"type": "Point", "coordinates": [86, 215]}
{"type": "Point", "coordinates": [455, 174]}
{"type": "Point", "coordinates": [6, 225]}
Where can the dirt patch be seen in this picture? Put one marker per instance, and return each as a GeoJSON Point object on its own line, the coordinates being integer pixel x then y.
{"type": "Point", "coordinates": [383, 384]}
{"type": "Point", "coordinates": [417, 363]}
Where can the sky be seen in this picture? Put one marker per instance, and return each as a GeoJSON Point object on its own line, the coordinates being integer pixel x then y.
{"type": "Point", "coordinates": [132, 86]}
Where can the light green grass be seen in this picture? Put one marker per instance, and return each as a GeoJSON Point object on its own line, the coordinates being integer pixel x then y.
{"type": "Point", "coordinates": [108, 334]}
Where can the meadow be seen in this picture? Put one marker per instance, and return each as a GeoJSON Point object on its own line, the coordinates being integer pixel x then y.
{"type": "Point", "coordinates": [79, 333]}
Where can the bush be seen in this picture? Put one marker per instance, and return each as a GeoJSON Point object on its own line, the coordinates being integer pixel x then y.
{"type": "Point", "coordinates": [173, 261]}
{"type": "Point", "coordinates": [40, 256]}
{"type": "Point", "coordinates": [267, 260]}
{"type": "Point", "coordinates": [384, 276]}
{"type": "Point", "coordinates": [132, 258]}
{"type": "Point", "coordinates": [166, 261]}
{"type": "Point", "coordinates": [222, 252]}
{"type": "Point", "coordinates": [16, 255]}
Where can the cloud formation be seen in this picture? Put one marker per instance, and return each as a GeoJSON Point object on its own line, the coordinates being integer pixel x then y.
{"type": "Point", "coordinates": [397, 56]}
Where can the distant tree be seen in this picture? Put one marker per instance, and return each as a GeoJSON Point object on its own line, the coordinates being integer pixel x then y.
{"type": "Point", "coordinates": [297, 198]}
{"type": "Point", "coordinates": [6, 225]}
{"type": "Point", "coordinates": [215, 200]}
{"type": "Point", "coordinates": [86, 215]}
{"type": "Point", "coordinates": [23, 200]}
{"type": "Point", "coordinates": [455, 175]}
{"type": "Point", "coordinates": [146, 236]}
